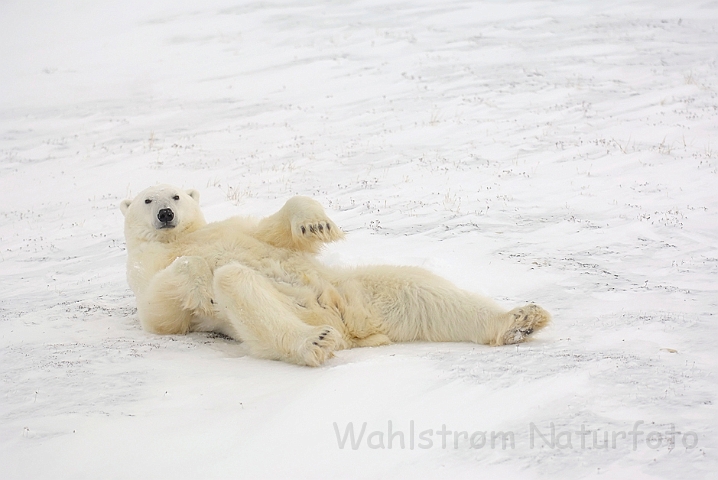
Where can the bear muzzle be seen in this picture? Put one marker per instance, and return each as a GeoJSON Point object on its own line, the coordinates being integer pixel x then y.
{"type": "Point", "coordinates": [165, 217]}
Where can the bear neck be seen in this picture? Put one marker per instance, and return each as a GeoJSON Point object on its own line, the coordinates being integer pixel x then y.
{"type": "Point", "coordinates": [134, 240]}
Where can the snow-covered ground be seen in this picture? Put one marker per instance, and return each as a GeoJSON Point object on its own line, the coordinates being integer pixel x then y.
{"type": "Point", "coordinates": [558, 152]}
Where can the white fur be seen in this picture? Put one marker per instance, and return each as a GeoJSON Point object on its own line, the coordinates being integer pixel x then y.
{"type": "Point", "coordinates": [258, 281]}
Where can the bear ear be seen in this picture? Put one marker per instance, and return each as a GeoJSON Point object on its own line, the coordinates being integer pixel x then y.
{"type": "Point", "coordinates": [124, 205]}
{"type": "Point", "coordinates": [194, 194]}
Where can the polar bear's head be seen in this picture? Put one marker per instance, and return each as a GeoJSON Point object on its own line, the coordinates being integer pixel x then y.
{"type": "Point", "coordinates": [161, 213]}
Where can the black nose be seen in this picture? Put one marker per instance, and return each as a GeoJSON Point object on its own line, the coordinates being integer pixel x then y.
{"type": "Point", "coordinates": [165, 215]}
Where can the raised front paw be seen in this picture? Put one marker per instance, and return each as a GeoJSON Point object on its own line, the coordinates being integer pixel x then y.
{"type": "Point", "coordinates": [317, 229]}
{"type": "Point", "coordinates": [309, 221]}
{"type": "Point", "coordinates": [319, 346]}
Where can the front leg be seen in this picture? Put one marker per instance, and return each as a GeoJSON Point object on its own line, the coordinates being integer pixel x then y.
{"type": "Point", "coordinates": [193, 280]}
{"type": "Point", "coordinates": [175, 295]}
{"type": "Point", "coordinates": [301, 224]}
{"type": "Point", "coordinates": [264, 320]}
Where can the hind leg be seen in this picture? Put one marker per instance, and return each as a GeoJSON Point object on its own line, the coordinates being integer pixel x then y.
{"type": "Point", "coordinates": [263, 319]}
{"type": "Point", "coordinates": [418, 305]}
{"type": "Point", "coordinates": [520, 323]}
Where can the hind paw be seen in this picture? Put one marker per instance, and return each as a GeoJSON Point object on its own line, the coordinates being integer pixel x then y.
{"type": "Point", "coordinates": [525, 321]}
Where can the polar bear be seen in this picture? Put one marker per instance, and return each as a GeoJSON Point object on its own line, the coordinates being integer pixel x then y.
{"type": "Point", "coordinates": [259, 281]}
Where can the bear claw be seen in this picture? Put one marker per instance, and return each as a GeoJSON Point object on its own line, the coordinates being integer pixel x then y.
{"type": "Point", "coordinates": [317, 350]}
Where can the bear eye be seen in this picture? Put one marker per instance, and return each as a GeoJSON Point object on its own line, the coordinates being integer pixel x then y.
{"type": "Point", "coordinates": [148, 201]}
{"type": "Point", "coordinates": [176, 197]}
